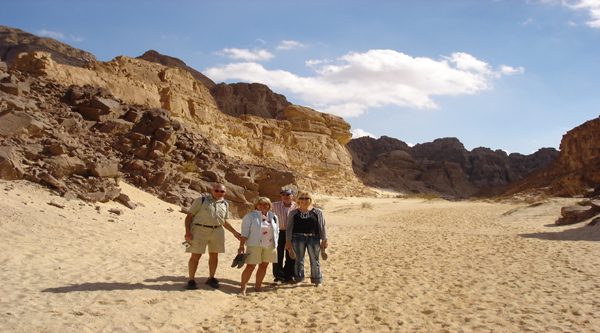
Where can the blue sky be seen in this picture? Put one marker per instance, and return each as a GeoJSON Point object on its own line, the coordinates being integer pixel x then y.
{"type": "Point", "coordinates": [507, 74]}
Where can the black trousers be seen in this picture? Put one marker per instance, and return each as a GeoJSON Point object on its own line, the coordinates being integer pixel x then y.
{"type": "Point", "coordinates": [283, 270]}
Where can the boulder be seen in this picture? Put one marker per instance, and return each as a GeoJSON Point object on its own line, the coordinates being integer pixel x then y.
{"type": "Point", "coordinates": [9, 164]}
{"type": "Point", "coordinates": [16, 123]}
{"type": "Point", "coordinates": [105, 168]}
{"type": "Point", "coordinates": [575, 214]}
{"type": "Point", "coordinates": [64, 166]}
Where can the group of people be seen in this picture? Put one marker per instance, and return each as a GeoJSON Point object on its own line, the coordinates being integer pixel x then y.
{"type": "Point", "coordinates": [280, 233]}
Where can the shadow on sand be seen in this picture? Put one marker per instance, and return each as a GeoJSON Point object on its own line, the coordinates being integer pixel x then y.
{"type": "Point", "coordinates": [170, 283]}
{"type": "Point", "coordinates": [582, 233]}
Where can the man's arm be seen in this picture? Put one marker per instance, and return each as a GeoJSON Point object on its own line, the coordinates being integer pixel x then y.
{"type": "Point", "coordinates": [228, 226]}
{"type": "Point", "coordinates": [188, 227]}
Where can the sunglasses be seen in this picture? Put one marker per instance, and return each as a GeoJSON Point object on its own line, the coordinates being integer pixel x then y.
{"type": "Point", "coordinates": [285, 194]}
{"type": "Point", "coordinates": [219, 191]}
{"type": "Point", "coordinates": [303, 198]}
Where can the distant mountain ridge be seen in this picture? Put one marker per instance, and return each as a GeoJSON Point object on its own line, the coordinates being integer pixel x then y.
{"type": "Point", "coordinates": [443, 166]}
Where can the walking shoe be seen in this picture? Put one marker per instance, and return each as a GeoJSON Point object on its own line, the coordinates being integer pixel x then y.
{"type": "Point", "coordinates": [191, 285]}
{"type": "Point", "coordinates": [324, 254]}
{"type": "Point", "coordinates": [213, 282]}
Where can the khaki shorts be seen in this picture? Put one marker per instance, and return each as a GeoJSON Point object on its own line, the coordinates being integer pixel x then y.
{"type": "Point", "coordinates": [258, 255]}
{"type": "Point", "coordinates": [203, 236]}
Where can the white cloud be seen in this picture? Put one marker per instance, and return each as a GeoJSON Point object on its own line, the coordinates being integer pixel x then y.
{"type": "Point", "coordinates": [51, 34]}
{"type": "Point", "coordinates": [290, 45]}
{"type": "Point", "coordinates": [359, 81]}
{"type": "Point", "coordinates": [529, 21]}
{"type": "Point", "coordinates": [245, 54]}
{"type": "Point", "coordinates": [314, 63]}
{"type": "Point", "coordinates": [507, 70]}
{"type": "Point", "coordinates": [59, 35]}
{"type": "Point", "coordinates": [593, 6]}
{"type": "Point", "coordinates": [359, 132]}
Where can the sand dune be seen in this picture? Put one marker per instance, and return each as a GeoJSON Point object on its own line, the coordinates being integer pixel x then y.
{"type": "Point", "coordinates": [400, 265]}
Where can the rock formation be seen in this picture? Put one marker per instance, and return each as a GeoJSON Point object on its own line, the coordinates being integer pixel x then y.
{"type": "Point", "coordinates": [78, 124]}
{"type": "Point", "coordinates": [443, 166]}
{"type": "Point", "coordinates": [255, 99]}
{"type": "Point", "coordinates": [82, 140]}
{"type": "Point", "coordinates": [234, 99]}
{"type": "Point", "coordinates": [168, 61]}
{"type": "Point", "coordinates": [15, 41]}
{"type": "Point", "coordinates": [161, 128]}
{"type": "Point", "coordinates": [574, 171]}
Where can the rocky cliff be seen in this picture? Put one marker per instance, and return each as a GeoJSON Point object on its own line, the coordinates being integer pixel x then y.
{"type": "Point", "coordinates": [574, 172]}
{"type": "Point", "coordinates": [234, 99]}
{"type": "Point", "coordinates": [173, 131]}
{"type": "Point", "coordinates": [15, 41]}
{"type": "Point", "coordinates": [443, 166]}
{"type": "Point", "coordinates": [168, 61]}
{"type": "Point", "coordinates": [307, 144]}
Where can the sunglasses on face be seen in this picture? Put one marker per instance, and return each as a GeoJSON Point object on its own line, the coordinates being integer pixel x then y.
{"type": "Point", "coordinates": [303, 198]}
{"type": "Point", "coordinates": [285, 195]}
{"type": "Point", "coordinates": [219, 191]}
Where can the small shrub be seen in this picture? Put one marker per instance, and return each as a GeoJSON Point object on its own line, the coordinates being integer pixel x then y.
{"type": "Point", "coordinates": [367, 205]}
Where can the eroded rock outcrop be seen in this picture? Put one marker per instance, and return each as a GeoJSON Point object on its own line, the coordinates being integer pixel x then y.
{"type": "Point", "coordinates": [168, 61]}
{"type": "Point", "coordinates": [306, 143]}
{"type": "Point", "coordinates": [82, 140]}
{"type": "Point", "coordinates": [254, 99]}
{"type": "Point", "coordinates": [574, 171]}
{"type": "Point", "coordinates": [443, 166]}
{"type": "Point", "coordinates": [15, 41]}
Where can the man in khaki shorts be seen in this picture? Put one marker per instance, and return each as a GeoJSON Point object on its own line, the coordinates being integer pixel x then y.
{"type": "Point", "coordinates": [204, 225]}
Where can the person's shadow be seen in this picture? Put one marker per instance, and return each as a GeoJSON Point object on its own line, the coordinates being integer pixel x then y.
{"type": "Point", "coordinates": [163, 283]}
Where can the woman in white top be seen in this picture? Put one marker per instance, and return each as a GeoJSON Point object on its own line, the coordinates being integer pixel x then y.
{"type": "Point", "coordinates": [260, 233]}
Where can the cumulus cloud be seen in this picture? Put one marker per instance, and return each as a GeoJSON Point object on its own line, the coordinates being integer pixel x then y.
{"type": "Point", "coordinates": [247, 55]}
{"type": "Point", "coordinates": [593, 6]}
{"type": "Point", "coordinates": [357, 82]}
{"type": "Point", "coordinates": [290, 45]}
{"type": "Point", "coordinates": [359, 132]}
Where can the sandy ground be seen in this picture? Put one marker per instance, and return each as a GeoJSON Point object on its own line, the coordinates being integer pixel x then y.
{"type": "Point", "coordinates": [400, 265]}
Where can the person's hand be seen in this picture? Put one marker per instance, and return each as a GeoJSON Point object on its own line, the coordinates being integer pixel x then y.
{"type": "Point", "coordinates": [189, 236]}
{"type": "Point", "coordinates": [288, 246]}
{"type": "Point", "coordinates": [237, 235]}
{"type": "Point", "coordinates": [323, 245]}
{"type": "Point", "coordinates": [241, 250]}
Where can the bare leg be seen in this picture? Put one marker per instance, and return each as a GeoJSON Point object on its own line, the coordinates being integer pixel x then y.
{"type": "Point", "coordinates": [193, 265]}
{"type": "Point", "coordinates": [213, 262]}
{"type": "Point", "coordinates": [245, 278]}
{"type": "Point", "coordinates": [260, 275]}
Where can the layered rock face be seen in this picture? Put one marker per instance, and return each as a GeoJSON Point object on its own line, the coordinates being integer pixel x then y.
{"type": "Point", "coordinates": [234, 99]}
{"type": "Point", "coordinates": [168, 61]}
{"type": "Point", "coordinates": [308, 143]}
{"type": "Point", "coordinates": [15, 41]}
{"type": "Point", "coordinates": [81, 140]}
{"type": "Point", "coordinates": [254, 99]}
{"type": "Point", "coordinates": [574, 171]}
{"type": "Point", "coordinates": [443, 166]}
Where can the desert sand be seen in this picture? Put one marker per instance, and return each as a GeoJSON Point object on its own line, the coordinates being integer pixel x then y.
{"type": "Point", "coordinates": [400, 265]}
